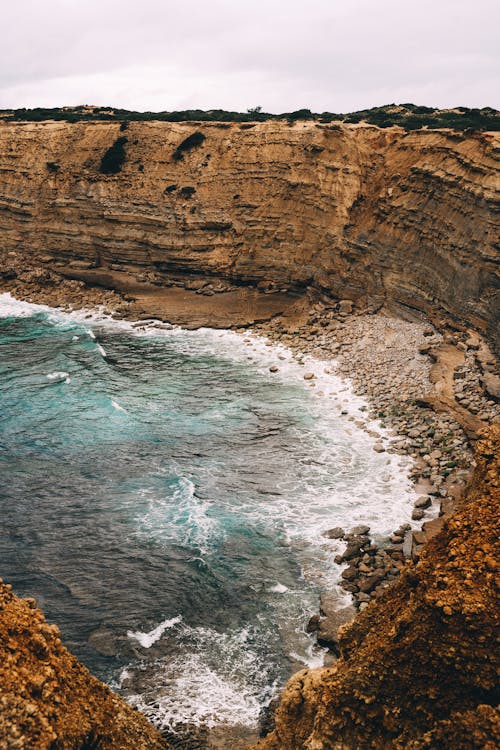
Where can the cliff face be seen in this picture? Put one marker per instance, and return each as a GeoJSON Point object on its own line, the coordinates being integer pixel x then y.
{"type": "Point", "coordinates": [49, 700]}
{"type": "Point", "coordinates": [419, 667]}
{"type": "Point", "coordinates": [355, 211]}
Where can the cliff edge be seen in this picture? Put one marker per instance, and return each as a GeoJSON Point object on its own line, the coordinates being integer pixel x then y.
{"type": "Point", "coordinates": [49, 700]}
{"type": "Point", "coordinates": [419, 667]}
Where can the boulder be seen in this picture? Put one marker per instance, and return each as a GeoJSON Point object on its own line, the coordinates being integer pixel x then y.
{"type": "Point", "coordinates": [336, 533]}
{"type": "Point", "coordinates": [333, 618]}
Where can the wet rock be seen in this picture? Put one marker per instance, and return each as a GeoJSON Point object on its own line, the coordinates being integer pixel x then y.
{"type": "Point", "coordinates": [313, 624]}
{"type": "Point", "coordinates": [407, 544]}
{"type": "Point", "coordinates": [360, 530]}
{"type": "Point", "coordinates": [370, 582]}
{"type": "Point", "coordinates": [353, 550]}
{"type": "Point", "coordinates": [336, 533]}
{"type": "Point", "coordinates": [332, 619]}
{"type": "Point", "coordinates": [349, 574]}
{"type": "Point", "coordinates": [423, 502]}
{"type": "Point", "coordinates": [431, 528]}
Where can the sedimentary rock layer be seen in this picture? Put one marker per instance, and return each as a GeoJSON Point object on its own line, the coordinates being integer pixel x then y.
{"type": "Point", "coordinates": [419, 667]}
{"type": "Point", "coordinates": [355, 211]}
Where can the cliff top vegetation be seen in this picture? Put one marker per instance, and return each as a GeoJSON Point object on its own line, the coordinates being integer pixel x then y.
{"type": "Point", "coordinates": [408, 116]}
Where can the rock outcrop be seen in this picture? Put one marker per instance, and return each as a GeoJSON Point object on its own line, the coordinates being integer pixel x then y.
{"type": "Point", "coordinates": [49, 700]}
{"type": "Point", "coordinates": [357, 212]}
{"type": "Point", "coordinates": [419, 667]}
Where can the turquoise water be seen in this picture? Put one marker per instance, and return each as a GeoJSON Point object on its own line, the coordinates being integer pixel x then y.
{"type": "Point", "coordinates": [164, 497]}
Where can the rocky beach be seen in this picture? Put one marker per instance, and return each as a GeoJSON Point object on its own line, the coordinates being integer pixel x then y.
{"type": "Point", "coordinates": [399, 365]}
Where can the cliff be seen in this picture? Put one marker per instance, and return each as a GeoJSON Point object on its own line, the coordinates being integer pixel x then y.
{"type": "Point", "coordinates": [357, 212]}
{"type": "Point", "coordinates": [49, 700]}
{"type": "Point", "coordinates": [419, 667]}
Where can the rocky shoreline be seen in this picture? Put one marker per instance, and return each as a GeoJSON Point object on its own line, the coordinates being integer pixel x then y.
{"type": "Point", "coordinates": [392, 362]}
{"type": "Point", "coordinates": [435, 388]}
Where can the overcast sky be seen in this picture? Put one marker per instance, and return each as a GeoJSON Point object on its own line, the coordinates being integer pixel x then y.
{"type": "Point", "coordinates": [334, 55]}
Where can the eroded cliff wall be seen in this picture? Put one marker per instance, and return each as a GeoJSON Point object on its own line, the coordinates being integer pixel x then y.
{"type": "Point", "coordinates": [353, 210]}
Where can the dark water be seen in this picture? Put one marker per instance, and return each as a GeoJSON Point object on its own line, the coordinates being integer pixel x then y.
{"type": "Point", "coordinates": [163, 497]}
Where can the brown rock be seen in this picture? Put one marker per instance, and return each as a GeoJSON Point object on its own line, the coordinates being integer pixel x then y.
{"type": "Point", "coordinates": [401, 255]}
{"type": "Point", "coordinates": [48, 699]}
{"type": "Point", "coordinates": [416, 668]}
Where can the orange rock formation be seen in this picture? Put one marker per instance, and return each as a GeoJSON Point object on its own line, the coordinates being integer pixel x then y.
{"type": "Point", "coordinates": [356, 211]}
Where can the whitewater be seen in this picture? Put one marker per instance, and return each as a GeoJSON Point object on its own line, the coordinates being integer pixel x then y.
{"type": "Point", "coordinates": [165, 498]}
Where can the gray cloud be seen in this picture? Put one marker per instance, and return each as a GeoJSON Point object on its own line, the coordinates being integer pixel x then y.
{"type": "Point", "coordinates": [335, 55]}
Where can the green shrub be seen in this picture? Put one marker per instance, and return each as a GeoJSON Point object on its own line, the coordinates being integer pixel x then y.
{"type": "Point", "coordinates": [193, 140]}
{"type": "Point", "coordinates": [113, 159]}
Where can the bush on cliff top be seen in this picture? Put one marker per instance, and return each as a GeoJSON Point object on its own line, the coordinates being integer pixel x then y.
{"type": "Point", "coordinates": [193, 140]}
{"type": "Point", "coordinates": [113, 159]}
{"type": "Point", "coordinates": [408, 116]}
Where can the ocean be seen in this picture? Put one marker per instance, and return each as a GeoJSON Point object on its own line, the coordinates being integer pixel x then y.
{"type": "Point", "coordinates": [164, 497]}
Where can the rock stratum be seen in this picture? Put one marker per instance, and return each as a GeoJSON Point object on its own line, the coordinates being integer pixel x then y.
{"type": "Point", "coordinates": [376, 216]}
{"type": "Point", "coordinates": [419, 667]}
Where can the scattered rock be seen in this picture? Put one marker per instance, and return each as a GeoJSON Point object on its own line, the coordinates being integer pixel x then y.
{"type": "Point", "coordinates": [423, 502]}
{"type": "Point", "coordinates": [360, 530]}
{"type": "Point", "coordinates": [336, 533]}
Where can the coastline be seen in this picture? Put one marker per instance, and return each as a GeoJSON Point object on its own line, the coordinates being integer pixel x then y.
{"type": "Point", "coordinates": [427, 386]}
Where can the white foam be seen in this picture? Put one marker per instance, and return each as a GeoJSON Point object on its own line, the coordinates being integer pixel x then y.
{"type": "Point", "coordinates": [182, 517]}
{"type": "Point", "coordinates": [197, 696]}
{"type": "Point", "coordinates": [147, 639]}
{"type": "Point", "coordinates": [100, 349]}
{"type": "Point", "coordinates": [278, 589]}
{"type": "Point", "coordinates": [117, 406]}
{"type": "Point", "coordinates": [14, 308]}
{"type": "Point", "coordinates": [216, 678]}
{"type": "Point", "coordinates": [312, 659]}
{"type": "Point", "coordinates": [58, 376]}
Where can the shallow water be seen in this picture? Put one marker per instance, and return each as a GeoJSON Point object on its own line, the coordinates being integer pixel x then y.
{"type": "Point", "coordinates": [164, 497]}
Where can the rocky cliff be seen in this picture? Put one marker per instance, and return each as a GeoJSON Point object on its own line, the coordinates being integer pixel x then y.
{"type": "Point", "coordinates": [358, 212]}
{"type": "Point", "coordinates": [419, 667]}
{"type": "Point", "coordinates": [49, 700]}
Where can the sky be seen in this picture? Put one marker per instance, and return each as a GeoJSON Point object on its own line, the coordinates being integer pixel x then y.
{"type": "Point", "coordinates": [282, 55]}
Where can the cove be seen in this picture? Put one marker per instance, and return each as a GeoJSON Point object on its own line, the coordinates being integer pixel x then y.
{"type": "Point", "coordinates": [164, 497]}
